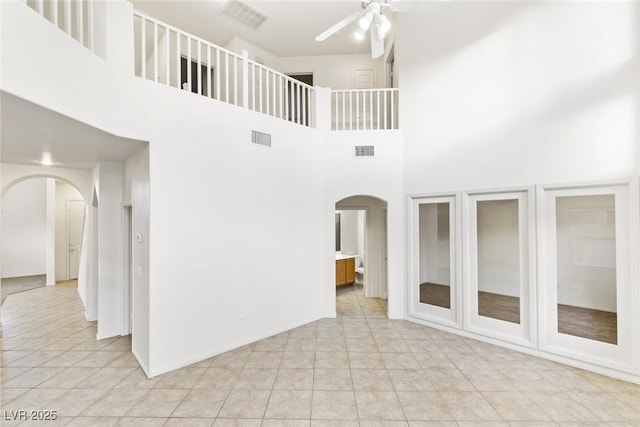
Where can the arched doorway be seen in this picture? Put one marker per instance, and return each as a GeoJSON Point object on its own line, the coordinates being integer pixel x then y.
{"type": "Point", "coordinates": [361, 256]}
{"type": "Point", "coordinates": [43, 227]}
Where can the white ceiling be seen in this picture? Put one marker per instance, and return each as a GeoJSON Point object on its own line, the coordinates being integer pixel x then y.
{"type": "Point", "coordinates": [29, 130]}
{"type": "Point", "coordinates": [290, 29]}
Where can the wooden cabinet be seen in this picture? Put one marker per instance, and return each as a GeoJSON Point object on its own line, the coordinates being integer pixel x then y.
{"type": "Point", "coordinates": [345, 271]}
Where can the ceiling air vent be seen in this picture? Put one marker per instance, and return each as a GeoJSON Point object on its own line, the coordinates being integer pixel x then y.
{"type": "Point", "coordinates": [243, 14]}
{"type": "Point", "coordinates": [260, 138]}
{"type": "Point", "coordinates": [364, 150]}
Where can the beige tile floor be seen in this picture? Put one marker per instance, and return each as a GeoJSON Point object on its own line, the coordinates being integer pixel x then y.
{"type": "Point", "coordinates": [357, 370]}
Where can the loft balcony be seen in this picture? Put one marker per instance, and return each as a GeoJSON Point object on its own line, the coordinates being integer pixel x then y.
{"type": "Point", "coordinates": [172, 57]}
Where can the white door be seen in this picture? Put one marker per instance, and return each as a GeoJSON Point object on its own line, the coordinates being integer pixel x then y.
{"type": "Point", "coordinates": [75, 223]}
{"type": "Point", "coordinates": [364, 102]}
{"type": "Point", "coordinates": [364, 79]}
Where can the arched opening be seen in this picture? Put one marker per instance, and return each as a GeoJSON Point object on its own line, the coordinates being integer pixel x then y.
{"type": "Point", "coordinates": [44, 218]}
{"type": "Point", "coordinates": [361, 256]}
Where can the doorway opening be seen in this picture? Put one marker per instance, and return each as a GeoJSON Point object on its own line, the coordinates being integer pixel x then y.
{"type": "Point", "coordinates": [128, 268]}
{"type": "Point", "coordinates": [361, 257]}
{"type": "Point", "coordinates": [43, 228]}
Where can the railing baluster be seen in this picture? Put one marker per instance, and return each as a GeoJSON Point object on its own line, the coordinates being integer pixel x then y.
{"type": "Point", "coordinates": [281, 95]}
{"type": "Point", "coordinates": [336, 111]}
{"type": "Point", "coordinates": [344, 111]}
{"type": "Point", "coordinates": [217, 75]}
{"type": "Point", "coordinates": [199, 69]}
{"type": "Point", "coordinates": [393, 114]}
{"type": "Point", "coordinates": [79, 22]}
{"type": "Point", "coordinates": [155, 51]}
{"type": "Point", "coordinates": [235, 80]}
{"type": "Point", "coordinates": [143, 48]}
{"type": "Point", "coordinates": [304, 105]}
{"type": "Point", "coordinates": [54, 12]}
{"type": "Point", "coordinates": [287, 94]}
{"type": "Point", "coordinates": [40, 7]}
{"type": "Point", "coordinates": [378, 110]}
{"type": "Point", "coordinates": [358, 115]}
{"type": "Point", "coordinates": [226, 78]}
{"type": "Point", "coordinates": [386, 93]}
{"type": "Point", "coordinates": [371, 109]}
{"type": "Point", "coordinates": [189, 83]}
{"type": "Point", "coordinates": [90, 28]}
{"type": "Point", "coordinates": [253, 87]}
{"type": "Point", "coordinates": [167, 59]}
{"type": "Point", "coordinates": [267, 91]}
{"type": "Point", "coordinates": [178, 61]}
{"type": "Point", "coordinates": [209, 68]}
{"type": "Point", "coordinates": [260, 86]}
{"type": "Point", "coordinates": [245, 79]}
{"type": "Point", "coordinates": [298, 98]}
{"type": "Point", "coordinates": [67, 17]}
{"type": "Point", "coordinates": [273, 94]}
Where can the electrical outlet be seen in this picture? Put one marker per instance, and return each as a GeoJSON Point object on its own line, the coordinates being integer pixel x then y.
{"type": "Point", "coordinates": [242, 319]}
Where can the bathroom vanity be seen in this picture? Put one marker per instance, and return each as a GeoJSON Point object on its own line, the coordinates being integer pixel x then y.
{"type": "Point", "coordinates": [345, 269]}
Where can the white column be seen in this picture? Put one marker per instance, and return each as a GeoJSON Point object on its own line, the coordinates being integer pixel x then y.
{"type": "Point", "coordinates": [51, 232]}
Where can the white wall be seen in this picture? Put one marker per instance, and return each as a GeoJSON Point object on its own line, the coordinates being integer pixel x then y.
{"type": "Point", "coordinates": [331, 71]}
{"type": "Point", "coordinates": [237, 45]}
{"type": "Point", "coordinates": [334, 71]}
{"type": "Point", "coordinates": [349, 232]}
{"type": "Point", "coordinates": [111, 286]}
{"type": "Point", "coordinates": [136, 191]}
{"type": "Point", "coordinates": [63, 194]}
{"type": "Point", "coordinates": [24, 229]}
{"type": "Point", "coordinates": [519, 93]}
{"type": "Point", "coordinates": [220, 203]}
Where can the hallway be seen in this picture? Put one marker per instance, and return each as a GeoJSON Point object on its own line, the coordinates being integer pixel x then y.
{"type": "Point", "coordinates": [355, 370]}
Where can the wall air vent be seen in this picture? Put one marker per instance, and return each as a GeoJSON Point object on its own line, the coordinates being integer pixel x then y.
{"type": "Point", "coordinates": [364, 151]}
{"type": "Point", "coordinates": [260, 138]}
{"type": "Point", "coordinates": [244, 14]}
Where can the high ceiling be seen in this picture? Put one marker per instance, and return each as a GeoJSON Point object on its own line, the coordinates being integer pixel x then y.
{"type": "Point", "coordinates": [290, 29]}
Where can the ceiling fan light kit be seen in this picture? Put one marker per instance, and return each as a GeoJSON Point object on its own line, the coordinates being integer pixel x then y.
{"type": "Point", "coordinates": [371, 19]}
{"type": "Point", "coordinates": [359, 34]}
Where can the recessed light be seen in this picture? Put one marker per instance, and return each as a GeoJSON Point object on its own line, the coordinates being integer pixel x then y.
{"type": "Point", "coordinates": [46, 159]}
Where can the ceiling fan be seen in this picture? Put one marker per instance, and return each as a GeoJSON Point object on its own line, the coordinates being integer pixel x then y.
{"type": "Point", "coordinates": [370, 18]}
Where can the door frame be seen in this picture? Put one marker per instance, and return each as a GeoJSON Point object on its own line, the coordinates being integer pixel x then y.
{"type": "Point", "coordinates": [68, 236]}
{"type": "Point", "coordinates": [128, 263]}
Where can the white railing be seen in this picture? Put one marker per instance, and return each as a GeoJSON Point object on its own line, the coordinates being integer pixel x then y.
{"type": "Point", "coordinates": [364, 109]}
{"type": "Point", "coordinates": [74, 17]}
{"type": "Point", "coordinates": [170, 56]}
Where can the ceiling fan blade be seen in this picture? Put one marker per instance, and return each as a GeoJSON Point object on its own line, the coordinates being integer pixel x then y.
{"type": "Point", "coordinates": [377, 45]}
{"type": "Point", "coordinates": [340, 25]}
